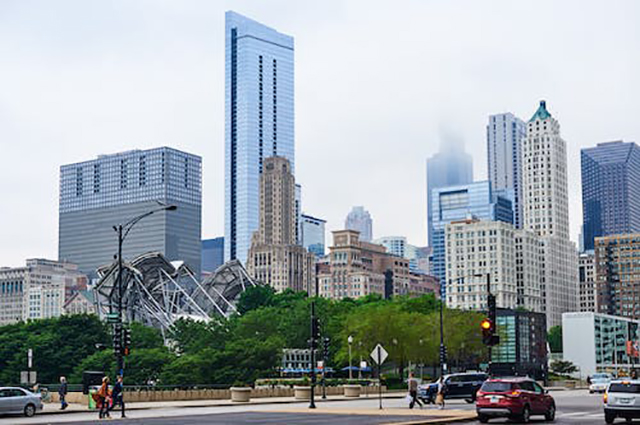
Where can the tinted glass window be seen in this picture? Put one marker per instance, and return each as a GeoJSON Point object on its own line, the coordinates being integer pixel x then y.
{"type": "Point", "coordinates": [496, 387]}
{"type": "Point", "coordinates": [5, 393]}
{"type": "Point", "coordinates": [538, 388]}
{"type": "Point", "coordinates": [624, 388]}
{"type": "Point", "coordinates": [527, 386]}
{"type": "Point", "coordinates": [17, 393]}
{"type": "Point", "coordinates": [478, 377]}
{"type": "Point", "coordinates": [454, 379]}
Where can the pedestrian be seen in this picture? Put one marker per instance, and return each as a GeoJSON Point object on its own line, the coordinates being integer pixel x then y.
{"type": "Point", "coordinates": [62, 392]}
{"type": "Point", "coordinates": [103, 398]}
{"type": "Point", "coordinates": [413, 391]}
{"type": "Point", "coordinates": [442, 389]}
{"type": "Point", "coordinates": [117, 395]}
{"type": "Point", "coordinates": [634, 373]}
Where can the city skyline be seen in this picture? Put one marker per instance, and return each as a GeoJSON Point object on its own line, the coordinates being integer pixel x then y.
{"type": "Point", "coordinates": [101, 91]}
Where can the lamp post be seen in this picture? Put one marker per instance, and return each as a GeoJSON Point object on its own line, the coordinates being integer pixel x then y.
{"type": "Point", "coordinates": [360, 364]}
{"type": "Point", "coordinates": [123, 230]}
{"type": "Point", "coordinates": [350, 341]}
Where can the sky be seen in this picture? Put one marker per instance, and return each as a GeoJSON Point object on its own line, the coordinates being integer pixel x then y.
{"type": "Point", "coordinates": [380, 86]}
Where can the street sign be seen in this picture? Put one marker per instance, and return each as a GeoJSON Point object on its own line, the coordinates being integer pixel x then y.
{"type": "Point", "coordinates": [28, 377]}
{"type": "Point", "coordinates": [30, 358]}
{"type": "Point", "coordinates": [379, 354]}
{"type": "Point", "coordinates": [113, 317]}
{"type": "Point", "coordinates": [363, 365]}
{"type": "Point", "coordinates": [320, 364]}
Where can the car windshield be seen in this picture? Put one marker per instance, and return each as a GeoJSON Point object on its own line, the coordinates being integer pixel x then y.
{"type": "Point", "coordinates": [600, 380]}
{"type": "Point", "coordinates": [621, 387]}
{"type": "Point", "coordinates": [496, 387]}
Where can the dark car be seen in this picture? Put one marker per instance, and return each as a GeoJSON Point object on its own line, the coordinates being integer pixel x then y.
{"type": "Point", "coordinates": [458, 385]}
{"type": "Point", "coordinates": [514, 398]}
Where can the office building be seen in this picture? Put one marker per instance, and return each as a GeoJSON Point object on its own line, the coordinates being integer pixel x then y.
{"type": "Point", "coordinates": [313, 234]}
{"type": "Point", "coordinates": [504, 137]}
{"type": "Point", "coordinates": [478, 248]}
{"type": "Point", "coordinates": [275, 258]}
{"type": "Point", "coordinates": [397, 245]}
{"type": "Point", "coordinates": [453, 203]}
{"type": "Point", "coordinates": [99, 194]}
{"type": "Point", "coordinates": [450, 167]}
{"type": "Point", "coordinates": [610, 190]}
{"type": "Point", "coordinates": [38, 290]}
{"type": "Point", "coordinates": [360, 220]}
{"type": "Point", "coordinates": [587, 281]}
{"type": "Point", "coordinates": [212, 254]}
{"type": "Point", "coordinates": [80, 302]}
{"type": "Point", "coordinates": [598, 342]}
{"type": "Point", "coordinates": [546, 212]}
{"type": "Point", "coordinates": [259, 114]}
{"type": "Point", "coordinates": [617, 267]}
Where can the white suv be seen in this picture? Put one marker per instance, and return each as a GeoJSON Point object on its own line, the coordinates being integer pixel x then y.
{"type": "Point", "coordinates": [622, 399]}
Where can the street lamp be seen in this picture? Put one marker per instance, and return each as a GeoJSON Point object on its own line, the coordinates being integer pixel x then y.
{"type": "Point", "coordinates": [123, 230]}
{"type": "Point", "coordinates": [360, 365]}
{"type": "Point", "coordinates": [350, 341]}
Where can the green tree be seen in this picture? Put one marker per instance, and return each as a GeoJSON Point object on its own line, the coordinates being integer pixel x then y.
{"type": "Point", "coordinates": [554, 337]}
{"type": "Point", "coordinates": [563, 367]}
{"type": "Point", "coordinates": [256, 297]}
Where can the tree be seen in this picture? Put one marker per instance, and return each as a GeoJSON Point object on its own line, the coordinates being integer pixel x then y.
{"type": "Point", "coordinates": [554, 337]}
{"type": "Point", "coordinates": [563, 367]}
{"type": "Point", "coordinates": [256, 297]}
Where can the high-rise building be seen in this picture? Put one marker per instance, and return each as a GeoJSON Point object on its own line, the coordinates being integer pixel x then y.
{"type": "Point", "coordinates": [587, 279]}
{"type": "Point", "coordinates": [398, 246]}
{"type": "Point", "coordinates": [113, 189]}
{"type": "Point", "coordinates": [258, 120]}
{"type": "Point", "coordinates": [453, 203]}
{"type": "Point", "coordinates": [360, 220]}
{"type": "Point", "coordinates": [38, 290]}
{"type": "Point", "coordinates": [495, 248]}
{"type": "Point", "coordinates": [212, 254]}
{"type": "Point", "coordinates": [617, 278]}
{"type": "Point", "coordinates": [610, 190]}
{"type": "Point", "coordinates": [447, 168]}
{"type": "Point", "coordinates": [313, 234]}
{"type": "Point", "coordinates": [504, 137]}
{"type": "Point", "coordinates": [275, 258]}
{"type": "Point", "coordinates": [546, 212]}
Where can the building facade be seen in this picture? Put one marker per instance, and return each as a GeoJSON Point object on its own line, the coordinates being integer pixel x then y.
{"type": "Point", "coordinates": [38, 290]}
{"type": "Point", "coordinates": [504, 138]}
{"type": "Point", "coordinates": [546, 212]}
{"type": "Point", "coordinates": [447, 168]}
{"type": "Point", "coordinates": [360, 220]}
{"type": "Point", "coordinates": [598, 342]}
{"type": "Point", "coordinates": [113, 189]}
{"type": "Point", "coordinates": [259, 120]}
{"type": "Point", "coordinates": [454, 203]}
{"type": "Point", "coordinates": [610, 190]}
{"type": "Point", "coordinates": [275, 258]}
{"type": "Point", "coordinates": [587, 279]}
{"type": "Point", "coordinates": [617, 268]}
{"type": "Point", "coordinates": [476, 249]}
{"type": "Point", "coordinates": [313, 234]}
{"type": "Point", "coordinates": [212, 254]}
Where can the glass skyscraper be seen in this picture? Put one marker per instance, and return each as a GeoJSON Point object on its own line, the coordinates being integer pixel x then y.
{"type": "Point", "coordinates": [258, 120]}
{"type": "Point", "coordinates": [112, 189]}
{"type": "Point", "coordinates": [476, 200]}
{"type": "Point", "coordinates": [610, 190]}
{"type": "Point", "coordinates": [313, 234]}
{"type": "Point", "coordinates": [446, 168]}
{"type": "Point", "coordinates": [212, 254]}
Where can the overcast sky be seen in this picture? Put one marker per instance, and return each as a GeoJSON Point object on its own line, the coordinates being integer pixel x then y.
{"type": "Point", "coordinates": [379, 86]}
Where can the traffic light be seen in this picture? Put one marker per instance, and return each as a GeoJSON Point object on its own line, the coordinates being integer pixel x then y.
{"type": "Point", "coordinates": [489, 336]}
{"type": "Point", "coordinates": [443, 354]}
{"type": "Point", "coordinates": [325, 348]}
{"type": "Point", "coordinates": [126, 336]}
{"type": "Point", "coordinates": [491, 307]}
{"type": "Point", "coordinates": [117, 341]}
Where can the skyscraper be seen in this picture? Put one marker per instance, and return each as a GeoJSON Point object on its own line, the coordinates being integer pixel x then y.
{"type": "Point", "coordinates": [275, 258]}
{"type": "Point", "coordinates": [610, 190]}
{"type": "Point", "coordinates": [313, 235]}
{"type": "Point", "coordinates": [112, 189]}
{"type": "Point", "coordinates": [258, 120]}
{"type": "Point", "coordinates": [359, 219]}
{"type": "Point", "coordinates": [504, 137]}
{"type": "Point", "coordinates": [447, 168]}
{"type": "Point", "coordinates": [212, 254]}
{"type": "Point", "coordinates": [546, 212]}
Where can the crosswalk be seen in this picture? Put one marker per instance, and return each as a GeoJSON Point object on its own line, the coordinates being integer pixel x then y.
{"type": "Point", "coordinates": [580, 415]}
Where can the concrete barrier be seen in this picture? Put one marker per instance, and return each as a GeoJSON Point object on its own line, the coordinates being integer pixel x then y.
{"type": "Point", "coordinates": [352, 390]}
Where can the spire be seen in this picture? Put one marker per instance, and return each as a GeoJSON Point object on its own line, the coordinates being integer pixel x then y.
{"type": "Point", "coordinates": [541, 113]}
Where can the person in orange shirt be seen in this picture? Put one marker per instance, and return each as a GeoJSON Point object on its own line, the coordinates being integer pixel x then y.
{"type": "Point", "coordinates": [103, 398]}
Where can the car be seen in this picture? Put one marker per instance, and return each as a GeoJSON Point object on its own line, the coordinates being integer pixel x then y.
{"type": "Point", "coordinates": [514, 398]}
{"type": "Point", "coordinates": [599, 382]}
{"type": "Point", "coordinates": [457, 385]}
{"type": "Point", "coordinates": [19, 400]}
{"type": "Point", "coordinates": [622, 400]}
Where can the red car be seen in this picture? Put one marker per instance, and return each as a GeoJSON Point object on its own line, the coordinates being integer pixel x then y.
{"type": "Point", "coordinates": [514, 398]}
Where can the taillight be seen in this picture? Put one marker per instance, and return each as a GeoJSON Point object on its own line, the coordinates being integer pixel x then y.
{"type": "Point", "coordinates": [514, 393]}
{"type": "Point", "coordinates": [479, 394]}
{"type": "Point", "coordinates": [605, 397]}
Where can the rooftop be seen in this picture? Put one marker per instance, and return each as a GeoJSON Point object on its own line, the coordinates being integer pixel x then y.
{"type": "Point", "coordinates": [541, 113]}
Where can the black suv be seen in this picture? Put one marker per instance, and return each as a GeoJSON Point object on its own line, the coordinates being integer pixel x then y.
{"type": "Point", "coordinates": [457, 385]}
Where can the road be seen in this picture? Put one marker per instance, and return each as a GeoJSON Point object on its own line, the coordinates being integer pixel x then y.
{"type": "Point", "coordinates": [574, 407]}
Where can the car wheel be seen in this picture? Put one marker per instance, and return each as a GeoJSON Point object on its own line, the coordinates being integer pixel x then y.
{"type": "Point", "coordinates": [551, 413]}
{"type": "Point", "coordinates": [483, 419]}
{"type": "Point", "coordinates": [525, 416]}
{"type": "Point", "coordinates": [609, 418]}
{"type": "Point", "coordinates": [29, 410]}
{"type": "Point", "coordinates": [629, 420]}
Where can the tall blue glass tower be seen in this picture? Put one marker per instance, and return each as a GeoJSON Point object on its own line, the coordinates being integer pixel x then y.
{"type": "Point", "coordinates": [258, 120]}
{"type": "Point", "coordinates": [453, 203]}
{"type": "Point", "coordinates": [610, 190]}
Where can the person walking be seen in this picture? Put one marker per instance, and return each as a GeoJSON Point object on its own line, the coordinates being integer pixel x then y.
{"type": "Point", "coordinates": [62, 392]}
{"type": "Point", "coordinates": [103, 396]}
{"type": "Point", "coordinates": [117, 395]}
{"type": "Point", "coordinates": [440, 394]}
{"type": "Point", "coordinates": [412, 383]}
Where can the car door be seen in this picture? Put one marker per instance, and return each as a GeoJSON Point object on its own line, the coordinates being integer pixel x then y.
{"type": "Point", "coordinates": [452, 385]}
{"type": "Point", "coordinates": [528, 394]}
{"type": "Point", "coordinates": [17, 400]}
{"type": "Point", "coordinates": [544, 401]}
{"type": "Point", "coordinates": [5, 401]}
